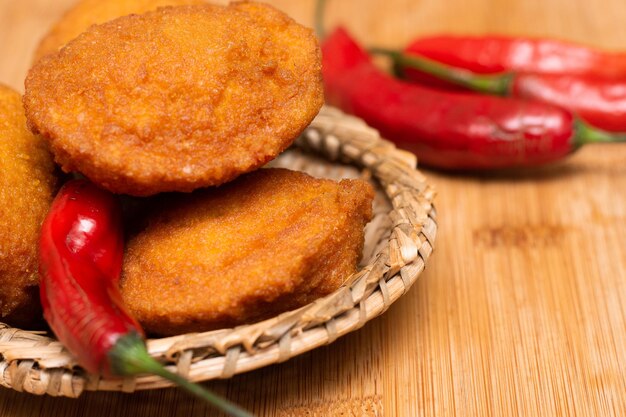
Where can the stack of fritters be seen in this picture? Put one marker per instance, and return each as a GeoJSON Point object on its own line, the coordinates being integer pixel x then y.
{"type": "Point", "coordinates": [182, 98]}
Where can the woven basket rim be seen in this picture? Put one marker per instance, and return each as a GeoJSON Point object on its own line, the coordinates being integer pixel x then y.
{"type": "Point", "coordinates": [35, 363]}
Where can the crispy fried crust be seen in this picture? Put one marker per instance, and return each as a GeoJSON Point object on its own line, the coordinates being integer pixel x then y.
{"type": "Point", "coordinates": [90, 12]}
{"type": "Point", "coordinates": [268, 242]}
{"type": "Point", "coordinates": [177, 99]}
{"type": "Point", "coordinates": [27, 186]}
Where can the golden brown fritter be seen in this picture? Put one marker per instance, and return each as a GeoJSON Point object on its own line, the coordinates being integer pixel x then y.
{"type": "Point", "coordinates": [268, 242]}
{"type": "Point", "coordinates": [27, 186]}
{"type": "Point", "coordinates": [177, 99]}
{"type": "Point", "coordinates": [90, 12]}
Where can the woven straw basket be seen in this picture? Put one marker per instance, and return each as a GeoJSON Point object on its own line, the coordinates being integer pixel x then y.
{"type": "Point", "coordinates": [398, 241]}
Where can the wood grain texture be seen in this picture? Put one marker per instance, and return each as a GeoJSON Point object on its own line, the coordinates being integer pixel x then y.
{"type": "Point", "coordinates": [522, 309]}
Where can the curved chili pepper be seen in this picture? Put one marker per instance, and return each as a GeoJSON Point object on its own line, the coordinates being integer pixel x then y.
{"type": "Point", "coordinates": [449, 130]}
{"type": "Point", "coordinates": [599, 101]}
{"type": "Point", "coordinates": [80, 260]}
{"type": "Point", "coordinates": [494, 54]}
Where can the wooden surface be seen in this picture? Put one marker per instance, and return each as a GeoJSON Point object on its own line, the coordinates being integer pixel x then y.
{"type": "Point", "coordinates": [522, 309]}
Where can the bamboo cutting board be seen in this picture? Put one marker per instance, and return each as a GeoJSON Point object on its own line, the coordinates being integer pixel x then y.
{"type": "Point", "coordinates": [522, 310]}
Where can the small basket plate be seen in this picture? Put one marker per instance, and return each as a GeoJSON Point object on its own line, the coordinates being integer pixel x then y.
{"type": "Point", "coordinates": [398, 242]}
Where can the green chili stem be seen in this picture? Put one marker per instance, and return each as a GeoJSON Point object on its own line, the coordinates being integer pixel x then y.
{"type": "Point", "coordinates": [586, 134]}
{"type": "Point", "coordinates": [499, 84]}
{"type": "Point", "coordinates": [320, 30]}
{"type": "Point", "coordinates": [130, 357]}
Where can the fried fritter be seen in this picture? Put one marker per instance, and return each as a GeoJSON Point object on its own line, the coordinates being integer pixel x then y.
{"type": "Point", "coordinates": [27, 186]}
{"type": "Point", "coordinates": [90, 12]}
{"type": "Point", "coordinates": [177, 99]}
{"type": "Point", "coordinates": [270, 241]}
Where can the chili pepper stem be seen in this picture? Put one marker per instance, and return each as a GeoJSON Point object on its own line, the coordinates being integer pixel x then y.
{"type": "Point", "coordinates": [130, 357]}
{"type": "Point", "coordinates": [498, 84]}
{"type": "Point", "coordinates": [320, 31]}
{"type": "Point", "coordinates": [586, 134]}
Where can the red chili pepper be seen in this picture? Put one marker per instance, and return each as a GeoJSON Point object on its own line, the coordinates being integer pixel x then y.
{"type": "Point", "coordinates": [494, 54]}
{"type": "Point", "coordinates": [599, 101]}
{"type": "Point", "coordinates": [80, 261]}
{"type": "Point", "coordinates": [449, 130]}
